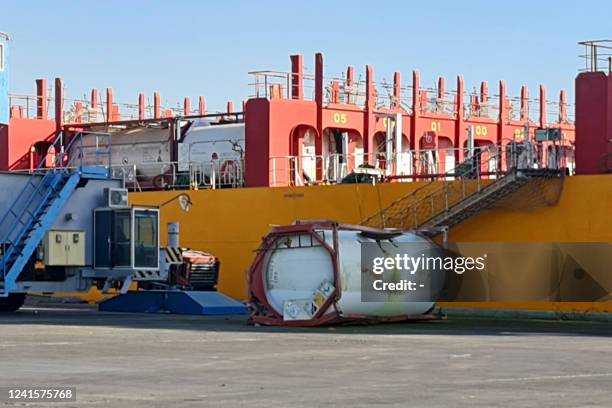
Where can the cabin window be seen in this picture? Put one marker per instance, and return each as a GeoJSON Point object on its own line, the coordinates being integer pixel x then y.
{"type": "Point", "coordinates": [146, 248]}
{"type": "Point", "coordinates": [122, 239]}
{"type": "Point", "coordinates": [126, 238]}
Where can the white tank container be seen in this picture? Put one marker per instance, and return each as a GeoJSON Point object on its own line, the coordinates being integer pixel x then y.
{"type": "Point", "coordinates": [204, 142]}
{"type": "Point", "coordinates": [296, 270]}
{"type": "Point", "coordinates": [145, 148]}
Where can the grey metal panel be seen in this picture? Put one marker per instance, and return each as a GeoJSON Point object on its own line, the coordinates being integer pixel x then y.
{"type": "Point", "coordinates": [10, 186]}
{"type": "Point", "coordinates": [80, 206]}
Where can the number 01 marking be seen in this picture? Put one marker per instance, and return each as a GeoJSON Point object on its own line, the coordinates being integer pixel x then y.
{"type": "Point", "coordinates": [436, 126]}
{"type": "Point", "coordinates": [519, 134]}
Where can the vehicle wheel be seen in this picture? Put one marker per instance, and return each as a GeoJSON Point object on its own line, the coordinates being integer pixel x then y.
{"type": "Point", "coordinates": [12, 303]}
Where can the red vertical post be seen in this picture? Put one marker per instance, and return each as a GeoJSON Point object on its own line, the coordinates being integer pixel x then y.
{"type": "Point", "coordinates": [524, 104]}
{"type": "Point", "coordinates": [41, 98]}
{"type": "Point", "coordinates": [319, 102]}
{"type": "Point", "coordinates": [484, 93]}
{"type": "Point", "coordinates": [230, 107]}
{"type": "Point", "coordinates": [460, 121]}
{"type": "Point", "coordinates": [474, 105]}
{"type": "Point", "coordinates": [187, 106]}
{"type": "Point", "coordinates": [141, 106]}
{"type": "Point", "coordinates": [423, 102]}
{"type": "Point", "coordinates": [335, 91]}
{"type": "Point", "coordinates": [156, 105]}
{"type": "Point", "coordinates": [109, 105]}
{"type": "Point", "coordinates": [202, 106]}
{"type": "Point", "coordinates": [416, 113]}
{"type": "Point", "coordinates": [370, 120]}
{"type": "Point", "coordinates": [502, 133]}
{"type": "Point", "coordinates": [562, 107]}
{"type": "Point", "coordinates": [319, 90]}
{"type": "Point", "coordinates": [350, 81]}
{"type": "Point", "coordinates": [59, 103]}
{"type": "Point", "coordinates": [78, 108]}
{"type": "Point", "coordinates": [94, 98]}
{"type": "Point", "coordinates": [542, 106]}
{"type": "Point", "coordinates": [297, 77]}
{"type": "Point", "coordinates": [441, 87]}
{"type": "Point", "coordinates": [397, 90]}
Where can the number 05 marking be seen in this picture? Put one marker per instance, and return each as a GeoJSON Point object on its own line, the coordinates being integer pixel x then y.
{"type": "Point", "coordinates": [340, 118]}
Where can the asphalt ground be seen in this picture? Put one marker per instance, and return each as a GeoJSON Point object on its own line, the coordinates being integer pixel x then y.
{"type": "Point", "coordinates": [132, 360]}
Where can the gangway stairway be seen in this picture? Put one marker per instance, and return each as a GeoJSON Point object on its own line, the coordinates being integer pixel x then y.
{"type": "Point", "coordinates": [36, 207]}
{"type": "Point", "coordinates": [464, 193]}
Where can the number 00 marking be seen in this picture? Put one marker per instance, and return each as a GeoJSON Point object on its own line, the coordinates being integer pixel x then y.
{"type": "Point", "coordinates": [481, 130]}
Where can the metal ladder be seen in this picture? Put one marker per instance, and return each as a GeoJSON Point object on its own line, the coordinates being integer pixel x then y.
{"type": "Point", "coordinates": [448, 203]}
{"type": "Point", "coordinates": [35, 209]}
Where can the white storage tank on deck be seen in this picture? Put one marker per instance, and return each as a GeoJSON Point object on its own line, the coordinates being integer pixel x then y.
{"type": "Point", "coordinates": [205, 142]}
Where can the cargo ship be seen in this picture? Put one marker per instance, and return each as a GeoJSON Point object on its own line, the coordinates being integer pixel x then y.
{"type": "Point", "coordinates": [309, 146]}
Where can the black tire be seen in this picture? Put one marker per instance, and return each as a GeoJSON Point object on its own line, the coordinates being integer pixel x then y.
{"type": "Point", "coordinates": [12, 302]}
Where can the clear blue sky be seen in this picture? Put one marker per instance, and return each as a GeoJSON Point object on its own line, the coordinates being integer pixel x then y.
{"type": "Point", "coordinates": [188, 48]}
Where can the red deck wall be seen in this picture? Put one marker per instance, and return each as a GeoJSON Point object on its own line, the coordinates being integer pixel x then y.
{"type": "Point", "coordinates": [16, 141]}
{"type": "Point", "coordinates": [593, 122]}
{"type": "Point", "coordinates": [268, 132]}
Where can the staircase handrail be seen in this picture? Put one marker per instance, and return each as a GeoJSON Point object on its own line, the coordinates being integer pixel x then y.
{"type": "Point", "coordinates": [20, 196]}
{"type": "Point", "coordinates": [474, 165]}
{"type": "Point", "coordinates": [57, 157]}
{"type": "Point", "coordinates": [474, 170]}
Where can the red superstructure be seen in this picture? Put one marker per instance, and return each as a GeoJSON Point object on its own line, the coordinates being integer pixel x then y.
{"type": "Point", "coordinates": [308, 129]}
{"type": "Point", "coordinates": [36, 119]}
{"type": "Point", "coordinates": [431, 119]}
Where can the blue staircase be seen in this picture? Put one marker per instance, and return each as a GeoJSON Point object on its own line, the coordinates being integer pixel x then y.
{"type": "Point", "coordinates": [35, 210]}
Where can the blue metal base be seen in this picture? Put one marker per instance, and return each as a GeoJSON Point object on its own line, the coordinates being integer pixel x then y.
{"type": "Point", "coordinates": [174, 301]}
{"type": "Point", "coordinates": [95, 172]}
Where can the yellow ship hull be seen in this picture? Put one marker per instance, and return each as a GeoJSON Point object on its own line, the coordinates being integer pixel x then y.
{"type": "Point", "coordinates": [231, 222]}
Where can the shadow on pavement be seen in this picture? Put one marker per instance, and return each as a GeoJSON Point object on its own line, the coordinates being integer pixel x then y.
{"type": "Point", "coordinates": [87, 315]}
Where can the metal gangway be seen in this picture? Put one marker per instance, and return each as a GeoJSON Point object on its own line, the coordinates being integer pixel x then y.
{"type": "Point", "coordinates": [468, 190]}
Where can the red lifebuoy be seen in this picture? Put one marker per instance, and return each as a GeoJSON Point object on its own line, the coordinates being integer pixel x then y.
{"type": "Point", "coordinates": [229, 168]}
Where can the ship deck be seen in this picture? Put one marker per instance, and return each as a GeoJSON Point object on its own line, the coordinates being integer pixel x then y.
{"type": "Point", "coordinates": [163, 360]}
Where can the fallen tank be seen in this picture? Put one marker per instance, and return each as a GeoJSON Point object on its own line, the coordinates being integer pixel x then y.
{"type": "Point", "coordinates": [310, 274]}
